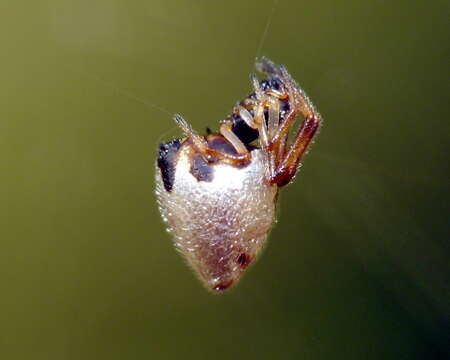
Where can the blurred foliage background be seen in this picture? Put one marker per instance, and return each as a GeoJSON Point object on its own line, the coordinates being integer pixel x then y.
{"type": "Point", "coordinates": [357, 266]}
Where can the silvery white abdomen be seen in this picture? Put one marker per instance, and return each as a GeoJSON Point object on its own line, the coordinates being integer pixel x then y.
{"type": "Point", "coordinates": [218, 215]}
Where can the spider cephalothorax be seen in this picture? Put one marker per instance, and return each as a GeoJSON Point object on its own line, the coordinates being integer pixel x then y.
{"type": "Point", "coordinates": [217, 193]}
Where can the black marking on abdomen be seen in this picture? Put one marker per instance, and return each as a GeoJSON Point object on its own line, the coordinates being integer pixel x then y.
{"type": "Point", "coordinates": [166, 162]}
{"type": "Point", "coordinates": [244, 260]}
{"type": "Point", "coordinates": [201, 170]}
{"type": "Point", "coordinates": [218, 142]}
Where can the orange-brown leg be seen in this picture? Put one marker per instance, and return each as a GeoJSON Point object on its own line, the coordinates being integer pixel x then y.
{"type": "Point", "coordinates": [287, 158]}
{"type": "Point", "coordinates": [286, 170]}
{"type": "Point", "coordinates": [241, 157]}
{"type": "Point", "coordinates": [282, 130]}
{"type": "Point", "coordinates": [227, 133]}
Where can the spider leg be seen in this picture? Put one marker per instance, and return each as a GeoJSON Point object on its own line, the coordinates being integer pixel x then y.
{"type": "Point", "coordinates": [286, 169]}
{"type": "Point", "coordinates": [274, 116]}
{"type": "Point", "coordinates": [241, 157]}
{"type": "Point", "coordinates": [287, 158]}
{"type": "Point", "coordinates": [259, 118]}
{"type": "Point", "coordinates": [199, 142]}
{"type": "Point", "coordinates": [247, 117]}
{"type": "Point", "coordinates": [265, 66]}
{"type": "Point", "coordinates": [280, 152]}
{"type": "Point", "coordinates": [281, 132]}
{"type": "Point", "coordinates": [226, 131]}
{"type": "Point", "coordinates": [262, 126]}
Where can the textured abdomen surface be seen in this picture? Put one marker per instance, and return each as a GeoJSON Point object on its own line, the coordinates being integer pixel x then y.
{"type": "Point", "coordinates": [220, 223]}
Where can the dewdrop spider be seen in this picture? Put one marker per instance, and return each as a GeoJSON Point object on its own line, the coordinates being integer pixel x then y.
{"type": "Point", "coordinates": [217, 193]}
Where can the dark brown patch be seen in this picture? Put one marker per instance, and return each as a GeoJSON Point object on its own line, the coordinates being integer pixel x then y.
{"type": "Point", "coordinates": [219, 143]}
{"type": "Point", "coordinates": [222, 286]}
{"type": "Point", "coordinates": [201, 170]}
{"type": "Point", "coordinates": [243, 260]}
{"type": "Point", "coordinates": [166, 162]}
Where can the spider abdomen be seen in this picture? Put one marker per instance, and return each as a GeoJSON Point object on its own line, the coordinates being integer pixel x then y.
{"type": "Point", "coordinates": [219, 225]}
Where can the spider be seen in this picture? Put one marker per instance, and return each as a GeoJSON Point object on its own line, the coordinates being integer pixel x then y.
{"type": "Point", "coordinates": [217, 193]}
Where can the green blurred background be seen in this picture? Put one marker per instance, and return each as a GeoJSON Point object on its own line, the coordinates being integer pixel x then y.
{"type": "Point", "coordinates": [357, 266]}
